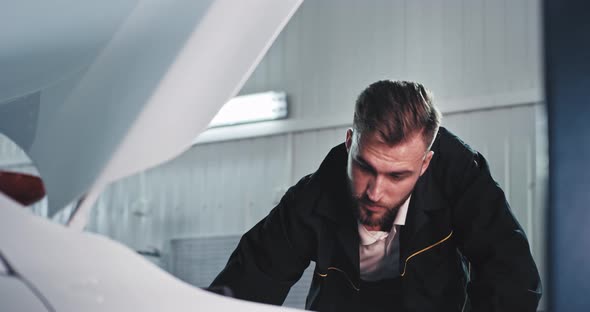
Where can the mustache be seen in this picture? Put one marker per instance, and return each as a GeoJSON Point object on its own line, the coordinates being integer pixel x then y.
{"type": "Point", "coordinates": [364, 199]}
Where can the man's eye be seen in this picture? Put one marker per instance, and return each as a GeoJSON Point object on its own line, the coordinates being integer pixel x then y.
{"type": "Point", "coordinates": [363, 166]}
{"type": "Point", "coordinates": [396, 177]}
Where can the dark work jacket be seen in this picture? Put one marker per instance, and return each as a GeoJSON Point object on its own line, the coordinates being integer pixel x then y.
{"type": "Point", "coordinates": [461, 245]}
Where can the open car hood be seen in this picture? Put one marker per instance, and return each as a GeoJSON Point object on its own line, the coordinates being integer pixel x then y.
{"type": "Point", "coordinates": [45, 266]}
{"type": "Point", "coordinates": [140, 84]}
{"type": "Point", "coordinates": [96, 92]}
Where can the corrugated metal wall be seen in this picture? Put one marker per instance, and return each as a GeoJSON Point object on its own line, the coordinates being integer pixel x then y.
{"type": "Point", "coordinates": [481, 58]}
{"type": "Point", "coordinates": [332, 49]}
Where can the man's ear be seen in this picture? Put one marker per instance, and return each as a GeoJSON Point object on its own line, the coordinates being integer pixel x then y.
{"type": "Point", "coordinates": [348, 141]}
{"type": "Point", "coordinates": [426, 162]}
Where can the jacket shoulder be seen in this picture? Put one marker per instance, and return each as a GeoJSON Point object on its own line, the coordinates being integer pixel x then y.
{"type": "Point", "coordinates": [449, 146]}
{"type": "Point", "coordinates": [453, 161]}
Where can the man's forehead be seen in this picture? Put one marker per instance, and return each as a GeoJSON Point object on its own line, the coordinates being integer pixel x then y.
{"type": "Point", "coordinates": [399, 158]}
{"type": "Point", "coordinates": [412, 146]}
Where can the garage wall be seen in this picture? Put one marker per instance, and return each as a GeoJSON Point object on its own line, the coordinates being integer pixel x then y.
{"type": "Point", "coordinates": [460, 49]}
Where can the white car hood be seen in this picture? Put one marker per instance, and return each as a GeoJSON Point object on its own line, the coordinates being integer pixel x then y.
{"type": "Point", "coordinates": [79, 271]}
{"type": "Point", "coordinates": [150, 79]}
{"type": "Point", "coordinates": [91, 105]}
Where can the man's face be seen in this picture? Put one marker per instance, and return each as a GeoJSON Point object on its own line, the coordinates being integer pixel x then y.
{"type": "Point", "coordinates": [383, 176]}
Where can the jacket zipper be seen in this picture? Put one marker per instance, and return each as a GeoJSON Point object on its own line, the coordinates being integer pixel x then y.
{"type": "Point", "coordinates": [341, 271]}
{"type": "Point", "coordinates": [405, 263]}
{"type": "Point", "coordinates": [423, 250]}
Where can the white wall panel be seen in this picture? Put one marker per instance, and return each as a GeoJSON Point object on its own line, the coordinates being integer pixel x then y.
{"type": "Point", "coordinates": [473, 47]}
{"type": "Point", "coordinates": [310, 148]}
{"type": "Point", "coordinates": [332, 49]}
{"type": "Point", "coordinates": [514, 141]}
{"type": "Point", "coordinates": [212, 189]}
{"type": "Point", "coordinates": [472, 54]}
{"type": "Point", "coordinates": [494, 56]}
{"type": "Point", "coordinates": [534, 45]}
{"type": "Point", "coordinates": [506, 137]}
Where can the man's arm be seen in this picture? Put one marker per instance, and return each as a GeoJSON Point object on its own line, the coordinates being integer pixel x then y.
{"type": "Point", "coordinates": [504, 276]}
{"type": "Point", "coordinates": [272, 255]}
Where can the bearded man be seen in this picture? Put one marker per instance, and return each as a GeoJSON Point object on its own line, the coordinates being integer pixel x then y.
{"type": "Point", "coordinates": [403, 216]}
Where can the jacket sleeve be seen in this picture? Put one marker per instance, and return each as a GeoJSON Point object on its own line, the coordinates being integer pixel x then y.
{"type": "Point", "coordinates": [271, 256]}
{"type": "Point", "coordinates": [504, 276]}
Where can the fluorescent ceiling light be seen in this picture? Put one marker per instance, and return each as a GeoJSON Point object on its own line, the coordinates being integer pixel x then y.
{"type": "Point", "coordinates": [252, 108]}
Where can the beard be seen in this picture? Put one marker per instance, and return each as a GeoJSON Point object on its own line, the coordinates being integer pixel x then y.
{"type": "Point", "coordinates": [384, 220]}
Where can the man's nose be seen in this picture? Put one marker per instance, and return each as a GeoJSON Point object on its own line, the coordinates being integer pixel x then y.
{"type": "Point", "coordinates": [375, 189]}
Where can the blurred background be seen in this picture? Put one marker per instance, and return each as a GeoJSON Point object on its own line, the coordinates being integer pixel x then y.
{"type": "Point", "coordinates": [482, 59]}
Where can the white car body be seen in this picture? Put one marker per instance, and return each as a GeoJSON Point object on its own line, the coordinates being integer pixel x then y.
{"type": "Point", "coordinates": [113, 88]}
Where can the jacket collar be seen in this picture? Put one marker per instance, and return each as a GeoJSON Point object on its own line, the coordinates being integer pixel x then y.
{"type": "Point", "coordinates": [335, 202]}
